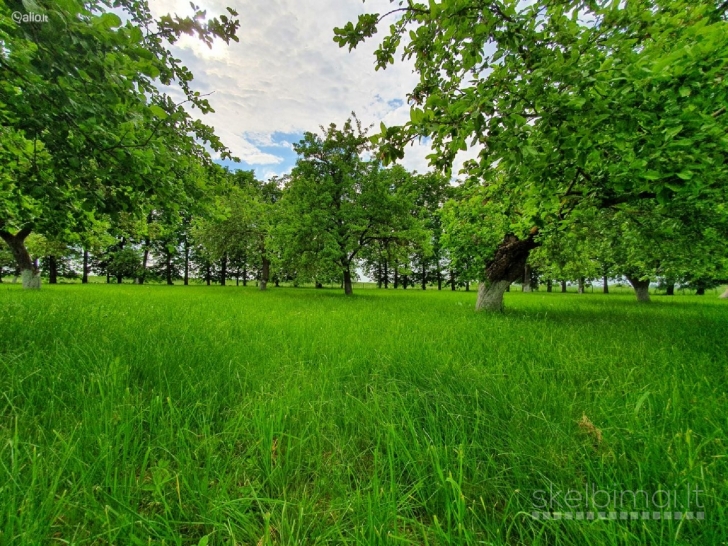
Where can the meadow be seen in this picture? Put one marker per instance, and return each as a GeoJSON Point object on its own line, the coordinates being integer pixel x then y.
{"type": "Point", "coordinates": [223, 415]}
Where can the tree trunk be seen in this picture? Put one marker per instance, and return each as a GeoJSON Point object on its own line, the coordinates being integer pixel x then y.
{"type": "Point", "coordinates": [424, 276]}
{"type": "Point", "coordinates": [223, 270]}
{"type": "Point", "coordinates": [439, 277]}
{"type": "Point", "coordinates": [549, 286]}
{"type": "Point", "coordinates": [405, 281]}
{"type": "Point", "coordinates": [527, 278]}
{"type": "Point", "coordinates": [490, 295]}
{"type": "Point", "coordinates": [245, 274]}
{"type": "Point", "coordinates": [29, 272]}
{"type": "Point", "coordinates": [605, 281]}
{"type": "Point", "coordinates": [467, 286]}
{"type": "Point", "coordinates": [670, 289]}
{"type": "Point", "coordinates": [143, 273]}
{"type": "Point", "coordinates": [84, 276]}
{"type": "Point", "coordinates": [347, 282]}
{"type": "Point", "coordinates": [580, 288]}
{"type": "Point", "coordinates": [386, 274]}
{"type": "Point", "coordinates": [700, 291]}
{"type": "Point", "coordinates": [508, 265]}
{"type": "Point", "coordinates": [168, 270]}
{"type": "Point", "coordinates": [264, 274]}
{"type": "Point", "coordinates": [452, 280]}
{"type": "Point", "coordinates": [208, 275]}
{"type": "Point", "coordinates": [187, 263]}
{"type": "Point", "coordinates": [641, 288]}
{"type": "Point", "coordinates": [724, 295]}
{"type": "Point", "coordinates": [563, 287]}
{"type": "Point", "coordinates": [52, 270]}
{"type": "Point", "coordinates": [318, 285]}
{"type": "Point", "coordinates": [396, 277]}
{"type": "Point", "coordinates": [108, 278]}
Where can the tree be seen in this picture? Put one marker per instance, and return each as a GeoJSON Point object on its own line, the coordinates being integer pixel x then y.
{"type": "Point", "coordinates": [85, 129]}
{"type": "Point", "coordinates": [336, 204]}
{"type": "Point", "coordinates": [430, 191]}
{"type": "Point", "coordinates": [573, 106]}
{"type": "Point", "coordinates": [237, 227]}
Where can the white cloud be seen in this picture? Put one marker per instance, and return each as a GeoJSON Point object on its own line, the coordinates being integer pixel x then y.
{"type": "Point", "coordinates": [287, 75]}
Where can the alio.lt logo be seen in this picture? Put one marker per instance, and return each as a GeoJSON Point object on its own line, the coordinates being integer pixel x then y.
{"type": "Point", "coordinates": [31, 17]}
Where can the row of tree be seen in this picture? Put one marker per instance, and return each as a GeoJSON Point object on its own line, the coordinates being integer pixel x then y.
{"type": "Point", "coordinates": [601, 129]}
{"type": "Point", "coordinates": [339, 213]}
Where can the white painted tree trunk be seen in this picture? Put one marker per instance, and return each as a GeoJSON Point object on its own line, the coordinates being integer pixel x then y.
{"type": "Point", "coordinates": [28, 267]}
{"type": "Point", "coordinates": [527, 279]}
{"type": "Point", "coordinates": [641, 289]}
{"type": "Point", "coordinates": [31, 279]}
{"type": "Point", "coordinates": [643, 293]}
{"type": "Point", "coordinates": [490, 295]}
{"type": "Point", "coordinates": [724, 295]}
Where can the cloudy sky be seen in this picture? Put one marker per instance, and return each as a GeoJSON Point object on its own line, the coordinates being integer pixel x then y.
{"type": "Point", "coordinates": [287, 76]}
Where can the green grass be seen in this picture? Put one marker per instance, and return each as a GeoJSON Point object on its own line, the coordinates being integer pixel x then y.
{"type": "Point", "coordinates": [162, 415]}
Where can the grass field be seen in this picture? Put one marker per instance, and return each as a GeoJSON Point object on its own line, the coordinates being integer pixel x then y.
{"type": "Point", "coordinates": [209, 415]}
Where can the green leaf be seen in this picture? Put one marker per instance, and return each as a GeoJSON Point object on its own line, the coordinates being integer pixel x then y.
{"type": "Point", "coordinates": [577, 102]}
{"type": "Point", "coordinates": [31, 6]}
{"type": "Point", "coordinates": [685, 175]}
{"type": "Point", "coordinates": [158, 111]}
{"type": "Point", "coordinates": [109, 20]}
{"type": "Point", "coordinates": [416, 115]}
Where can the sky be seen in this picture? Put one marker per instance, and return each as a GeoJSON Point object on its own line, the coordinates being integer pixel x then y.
{"type": "Point", "coordinates": [287, 76]}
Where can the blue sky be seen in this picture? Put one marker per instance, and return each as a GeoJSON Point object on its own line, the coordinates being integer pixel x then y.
{"type": "Point", "coordinates": [280, 146]}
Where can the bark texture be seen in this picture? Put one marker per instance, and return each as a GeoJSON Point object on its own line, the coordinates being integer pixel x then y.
{"type": "Point", "coordinates": [145, 260]}
{"type": "Point", "coordinates": [348, 290]}
{"type": "Point", "coordinates": [508, 265]}
{"type": "Point", "coordinates": [28, 268]}
{"type": "Point", "coordinates": [264, 274]}
{"type": "Point", "coordinates": [52, 270]}
{"type": "Point", "coordinates": [490, 295]}
{"type": "Point", "coordinates": [641, 288]}
{"type": "Point", "coordinates": [223, 270]}
{"type": "Point", "coordinates": [527, 279]}
{"type": "Point", "coordinates": [187, 263]}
